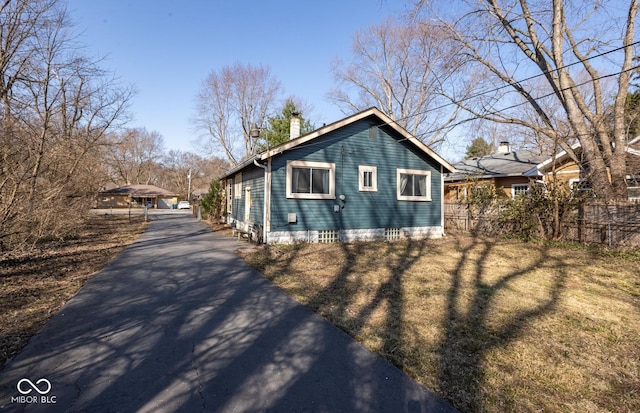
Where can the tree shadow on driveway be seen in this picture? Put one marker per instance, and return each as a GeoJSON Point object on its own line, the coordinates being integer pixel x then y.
{"type": "Point", "coordinates": [179, 323]}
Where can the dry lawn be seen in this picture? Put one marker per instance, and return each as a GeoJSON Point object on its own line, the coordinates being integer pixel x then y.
{"type": "Point", "coordinates": [490, 325]}
{"type": "Point", "coordinates": [36, 283]}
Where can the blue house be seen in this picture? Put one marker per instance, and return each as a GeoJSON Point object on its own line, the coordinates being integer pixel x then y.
{"type": "Point", "coordinates": [363, 177]}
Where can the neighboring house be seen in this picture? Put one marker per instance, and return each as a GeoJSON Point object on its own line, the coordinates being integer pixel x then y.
{"type": "Point", "coordinates": [137, 196]}
{"type": "Point", "coordinates": [363, 177]}
{"type": "Point", "coordinates": [562, 168]}
{"type": "Point", "coordinates": [508, 170]}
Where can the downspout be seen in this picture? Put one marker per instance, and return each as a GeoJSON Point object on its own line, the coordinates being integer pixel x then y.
{"type": "Point", "coordinates": [442, 220]}
{"type": "Point", "coordinates": [264, 201]}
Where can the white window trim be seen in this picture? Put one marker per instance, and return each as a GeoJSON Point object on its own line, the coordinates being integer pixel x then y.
{"type": "Point", "coordinates": [633, 178]}
{"type": "Point", "coordinates": [413, 172]}
{"type": "Point", "coordinates": [237, 188]}
{"type": "Point", "coordinates": [374, 179]}
{"type": "Point", "coordinates": [318, 165]}
{"type": "Point", "coordinates": [229, 197]}
{"type": "Point", "coordinates": [513, 188]}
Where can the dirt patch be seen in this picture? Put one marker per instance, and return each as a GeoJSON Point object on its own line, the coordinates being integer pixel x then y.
{"type": "Point", "coordinates": [219, 227]}
{"type": "Point", "coordinates": [36, 283]}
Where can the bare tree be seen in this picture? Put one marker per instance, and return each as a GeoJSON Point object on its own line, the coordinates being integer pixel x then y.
{"type": "Point", "coordinates": [403, 69]}
{"type": "Point", "coordinates": [178, 166]}
{"type": "Point", "coordinates": [229, 103]}
{"type": "Point", "coordinates": [135, 155]}
{"type": "Point", "coordinates": [56, 108]}
{"type": "Point", "coordinates": [575, 47]}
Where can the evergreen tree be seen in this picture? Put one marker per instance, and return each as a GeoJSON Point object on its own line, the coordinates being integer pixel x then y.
{"type": "Point", "coordinates": [211, 202]}
{"type": "Point", "coordinates": [278, 129]}
{"type": "Point", "coordinates": [632, 113]}
{"type": "Point", "coordinates": [478, 147]}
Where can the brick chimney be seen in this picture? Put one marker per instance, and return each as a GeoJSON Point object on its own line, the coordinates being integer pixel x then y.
{"type": "Point", "coordinates": [504, 147]}
{"type": "Point", "coordinates": [294, 130]}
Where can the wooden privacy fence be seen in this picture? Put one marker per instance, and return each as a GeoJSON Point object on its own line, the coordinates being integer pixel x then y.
{"type": "Point", "coordinates": [590, 223]}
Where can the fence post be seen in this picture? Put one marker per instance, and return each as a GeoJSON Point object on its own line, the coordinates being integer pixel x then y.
{"type": "Point", "coordinates": [580, 221]}
{"type": "Point", "coordinates": [467, 219]}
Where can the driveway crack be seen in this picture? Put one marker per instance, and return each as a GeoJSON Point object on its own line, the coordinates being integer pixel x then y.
{"type": "Point", "coordinates": [194, 365]}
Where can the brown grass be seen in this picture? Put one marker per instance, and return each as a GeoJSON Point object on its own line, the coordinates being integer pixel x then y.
{"type": "Point", "coordinates": [36, 283]}
{"type": "Point", "coordinates": [490, 325]}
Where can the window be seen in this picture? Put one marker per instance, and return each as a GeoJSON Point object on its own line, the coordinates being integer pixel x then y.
{"type": "Point", "coordinates": [519, 190]}
{"type": "Point", "coordinates": [229, 195]}
{"type": "Point", "coordinates": [367, 178]}
{"type": "Point", "coordinates": [579, 185]}
{"type": "Point", "coordinates": [237, 189]}
{"type": "Point", "coordinates": [310, 180]}
{"type": "Point", "coordinates": [413, 185]}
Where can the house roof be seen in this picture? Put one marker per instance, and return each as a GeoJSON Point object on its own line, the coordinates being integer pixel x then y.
{"type": "Point", "coordinates": [318, 133]}
{"type": "Point", "coordinates": [497, 165]}
{"type": "Point", "coordinates": [633, 148]}
{"type": "Point", "coordinates": [139, 191]}
{"type": "Point", "coordinates": [559, 158]}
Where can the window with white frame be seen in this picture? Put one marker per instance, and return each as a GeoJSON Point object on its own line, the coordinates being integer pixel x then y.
{"type": "Point", "coordinates": [579, 185]}
{"type": "Point", "coordinates": [367, 178]}
{"type": "Point", "coordinates": [519, 190]}
{"type": "Point", "coordinates": [310, 180]}
{"type": "Point", "coordinates": [413, 185]}
{"type": "Point", "coordinates": [229, 195]}
{"type": "Point", "coordinates": [237, 185]}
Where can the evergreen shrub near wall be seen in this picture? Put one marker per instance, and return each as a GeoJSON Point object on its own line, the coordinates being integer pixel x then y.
{"type": "Point", "coordinates": [211, 202]}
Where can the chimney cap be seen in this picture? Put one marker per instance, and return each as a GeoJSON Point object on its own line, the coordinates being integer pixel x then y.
{"type": "Point", "coordinates": [504, 147]}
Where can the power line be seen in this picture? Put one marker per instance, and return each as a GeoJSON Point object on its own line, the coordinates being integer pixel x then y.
{"type": "Point", "coordinates": [507, 85]}
{"type": "Point", "coordinates": [502, 87]}
{"type": "Point", "coordinates": [495, 112]}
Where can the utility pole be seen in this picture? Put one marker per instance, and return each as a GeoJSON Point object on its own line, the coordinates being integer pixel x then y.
{"type": "Point", "coordinates": [189, 190]}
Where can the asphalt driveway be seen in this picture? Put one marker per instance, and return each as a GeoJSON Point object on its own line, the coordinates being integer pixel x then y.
{"type": "Point", "coordinates": [178, 323]}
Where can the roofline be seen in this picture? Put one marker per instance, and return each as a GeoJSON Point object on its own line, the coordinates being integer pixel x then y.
{"type": "Point", "coordinates": [466, 176]}
{"type": "Point", "coordinates": [351, 119]}
{"type": "Point", "coordinates": [132, 191]}
{"type": "Point", "coordinates": [562, 154]}
{"type": "Point", "coordinates": [239, 167]}
{"type": "Point", "coordinates": [373, 111]}
{"type": "Point", "coordinates": [558, 156]}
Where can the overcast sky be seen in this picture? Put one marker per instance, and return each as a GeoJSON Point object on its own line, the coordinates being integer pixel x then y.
{"type": "Point", "coordinates": [166, 48]}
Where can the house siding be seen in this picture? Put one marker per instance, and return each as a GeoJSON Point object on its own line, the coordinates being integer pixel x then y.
{"type": "Point", "coordinates": [253, 178]}
{"type": "Point", "coordinates": [349, 147]}
{"type": "Point", "coordinates": [503, 185]}
{"type": "Point", "coordinates": [564, 173]}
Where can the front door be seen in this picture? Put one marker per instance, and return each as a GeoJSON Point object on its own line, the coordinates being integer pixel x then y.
{"type": "Point", "coordinates": [247, 205]}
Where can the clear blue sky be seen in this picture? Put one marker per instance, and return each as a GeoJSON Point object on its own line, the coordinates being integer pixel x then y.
{"type": "Point", "coordinates": [166, 48]}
